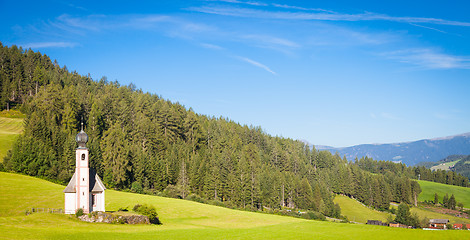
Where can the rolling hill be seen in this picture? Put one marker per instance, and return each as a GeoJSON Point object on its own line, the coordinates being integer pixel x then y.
{"type": "Point", "coordinates": [461, 194]}
{"type": "Point", "coordinates": [410, 153]}
{"type": "Point", "coordinates": [10, 127]}
{"type": "Point", "coordinates": [181, 219]}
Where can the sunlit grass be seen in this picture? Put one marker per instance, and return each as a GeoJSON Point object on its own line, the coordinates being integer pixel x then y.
{"type": "Point", "coordinates": [357, 212]}
{"type": "Point", "coordinates": [181, 219]}
{"type": "Point", "coordinates": [9, 130]}
{"type": "Point", "coordinates": [462, 194]}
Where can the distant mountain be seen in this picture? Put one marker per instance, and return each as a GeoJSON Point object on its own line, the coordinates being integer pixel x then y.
{"type": "Point", "coordinates": [410, 153]}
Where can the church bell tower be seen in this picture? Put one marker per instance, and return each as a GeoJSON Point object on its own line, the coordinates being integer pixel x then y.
{"type": "Point", "coordinates": [82, 180]}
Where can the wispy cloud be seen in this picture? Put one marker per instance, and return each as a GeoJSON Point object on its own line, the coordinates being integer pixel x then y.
{"type": "Point", "coordinates": [272, 41]}
{"type": "Point", "coordinates": [49, 45]}
{"type": "Point", "coordinates": [300, 8]}
{"type": "Point", "coordinates": [421, 26]}
{"type": "Point", "coordinates": [257, 64]}
{"type": "Point", "coordinates": [211, 46]}
{"type": "Point", "coordinates": [330, 16]}
{"type": "Point", "coordinates": [242, 2]}
{"type": "Point", "coordinates": [429, 59]}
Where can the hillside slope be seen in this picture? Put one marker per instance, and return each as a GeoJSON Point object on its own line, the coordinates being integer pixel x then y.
{"type": "Point", "coordinates": [181, 219]}
{"type": "Point", "coordinates": [410, 153]}
{"type": "Point", "coordinates": [461, 194]}
{"type": "Point", "coordinates": [9, 130]}
{"type": "Point", "coordinates": [357, 212]}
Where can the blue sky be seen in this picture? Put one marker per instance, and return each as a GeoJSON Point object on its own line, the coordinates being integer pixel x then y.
{"type": "Point", "coordinates": [336, 73]}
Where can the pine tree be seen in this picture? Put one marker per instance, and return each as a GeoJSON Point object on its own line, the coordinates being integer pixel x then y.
{"type": "Point", "coordinates": [451, 202]}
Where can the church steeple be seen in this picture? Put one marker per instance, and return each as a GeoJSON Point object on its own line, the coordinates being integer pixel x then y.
{"type": "Point", "coordinates": [81, 138]}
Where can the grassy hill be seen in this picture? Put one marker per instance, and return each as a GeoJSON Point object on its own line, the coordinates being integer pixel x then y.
{"type": "Point", "coordinates": [11, 124]}
{"type": "Point", "coordinates": [357, 212]}
{"type": "Point", "coordinates": [461, 194]}
{"type": "Point", "coordinates": [445, 166]}
{"type": "Point", "coordinates": [181, 219]}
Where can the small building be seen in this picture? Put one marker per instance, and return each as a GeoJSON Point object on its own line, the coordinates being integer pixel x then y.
{"type": "Point", "coordinates": [438, 223]}
{"type": "Point", "coordinates": [85, 190]}
{"type": "Point", "coordinates": [376, 222]}
{"type": "Point", "coordinates": [460, 226]}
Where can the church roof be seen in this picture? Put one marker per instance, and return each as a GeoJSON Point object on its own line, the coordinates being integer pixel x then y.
{"type": "Point", "coordinates": [95, 183]}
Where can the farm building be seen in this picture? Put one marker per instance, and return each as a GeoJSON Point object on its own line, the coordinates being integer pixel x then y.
{"type": "Point", "coordinates": [376, 222]}
{"type": "Point", "coordinates": [438, 223]}
{"type": "Point", "coordinates": [461, 226]}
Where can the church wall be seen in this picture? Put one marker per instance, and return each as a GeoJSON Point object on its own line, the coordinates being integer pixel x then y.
{"type": "Point", "coordinates": [70, 204]}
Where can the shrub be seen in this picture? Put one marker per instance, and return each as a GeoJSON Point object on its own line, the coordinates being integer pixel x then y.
{"type": "Point", "coordinates": [148, 211]}
{"type": "Point", "coordinates": [79, 212]}
{"type": "Point", "coordinates": [314, 216]}
{"type": "Point", "coordinates": [172, 191]}
{"type": "Point", "coordinates": [195, 198]}
{"type": "Point", "coordinates": [137, 187]}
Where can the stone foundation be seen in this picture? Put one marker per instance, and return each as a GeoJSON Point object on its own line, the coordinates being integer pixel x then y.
{"type": "Point", "coordinates": [112, 218]}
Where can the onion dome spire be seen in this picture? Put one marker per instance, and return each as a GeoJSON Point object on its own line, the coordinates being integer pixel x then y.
{"type": "Point", "coordinates": [81, 138]}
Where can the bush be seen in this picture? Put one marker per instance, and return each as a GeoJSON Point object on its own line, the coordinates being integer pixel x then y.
{"type": "Point", "coordinates": [137, 187]}
{"type": "Point", "coordinates": [172, 191]}
{"type": "Point", "coordinates": [195, 198]}
{"type": "Point", "coordinates": [314, 216]}
{"type": "Point", "coordinates": [79, 212]}
{"type": "Point", "coordinates": [148, 211]}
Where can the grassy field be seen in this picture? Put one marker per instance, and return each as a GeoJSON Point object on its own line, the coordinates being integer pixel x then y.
{"type": "Point", "coordinates": [357, 212]}
{"type": "Point", "coordinates": [181, 219]}
{"type": "Point", "coordinates": [461, 194]}
{"type": "Point", "coordinates": [10, 127]}
{"type": "Point", "coordinates": [444, 166]}
{"type": "Point", "coordinates": [422, 213]}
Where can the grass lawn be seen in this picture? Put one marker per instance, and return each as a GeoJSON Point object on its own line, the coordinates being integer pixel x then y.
{"type": "Point", "coordinates": [462, 194]}
{"type": "Point", "coordinates": [9, 130]}
{"type": "Point", "coordinates": [357, 212]}
{"type": "Point", "coordinates": [181, 219]}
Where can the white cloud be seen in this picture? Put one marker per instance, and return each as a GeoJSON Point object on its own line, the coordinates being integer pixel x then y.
{"type": "Point", "coordinates": [243, 2]}
{"type": "Point", "coordinates": [272, 41]}
{"type": "Point", "coordinates": [300, 8]}
{"type": "Point", "coordinates": [49, 45]}
{"type": "Point", "coordinates": [257, 64]}
{"type": "Point", "coordinates": [330, 16]}
{"type": "Point", "coordinates": [211, 46]}
{"type": "Point", "coordinates": [429, 59]}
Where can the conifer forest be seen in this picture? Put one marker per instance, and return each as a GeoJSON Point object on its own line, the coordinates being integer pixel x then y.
{"type": "Point", "coordinates": [141, 142]}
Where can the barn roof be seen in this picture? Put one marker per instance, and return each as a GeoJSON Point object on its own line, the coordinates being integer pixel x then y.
{"type": "Point", "coordinates": [96, 185]}
{"type": "Point", "coordinates": [442, 221]}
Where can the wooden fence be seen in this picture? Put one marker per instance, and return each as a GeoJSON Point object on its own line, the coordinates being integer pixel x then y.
{"type": "Point", "coordinates": [46, 210]}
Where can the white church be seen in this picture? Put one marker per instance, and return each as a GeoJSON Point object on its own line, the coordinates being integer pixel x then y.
{"type": "Point", "coordinates": [85, 190]}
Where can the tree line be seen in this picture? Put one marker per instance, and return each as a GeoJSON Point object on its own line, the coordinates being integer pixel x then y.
{"type": "Point", "coordinates": [142, 142]}
{"type": "Point", "coordinates": [416, 172]}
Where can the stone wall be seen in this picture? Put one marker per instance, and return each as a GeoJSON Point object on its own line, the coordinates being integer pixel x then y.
{"type": "Point", "coordinates": [114, 218]}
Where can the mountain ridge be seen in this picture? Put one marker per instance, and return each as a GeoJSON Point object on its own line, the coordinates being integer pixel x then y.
{"type": "Point", "coordinates": [411, 152]}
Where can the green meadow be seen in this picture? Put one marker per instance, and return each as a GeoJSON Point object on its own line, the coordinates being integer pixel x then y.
{"type": "Point", "coordinates": [357, 212]}
{"type": "Point", "coordinates": [461, 194]}
{"type": "Point", "coordinates": [444, 166]}
{"type": "Point", "coordinates": [181, 219]}
{"type": "Point", "coordinates": [11, 124]}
